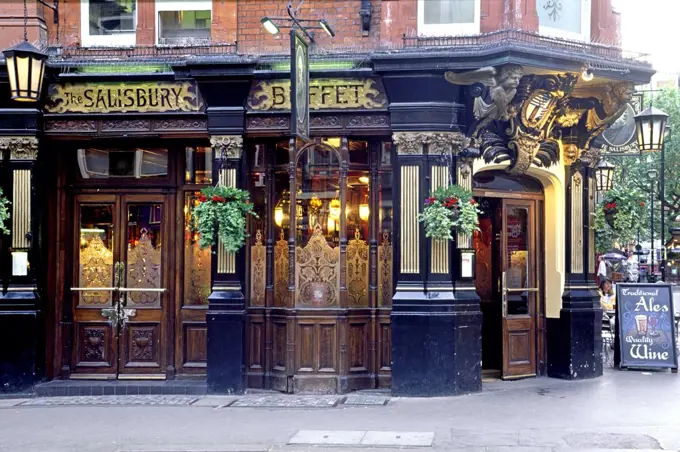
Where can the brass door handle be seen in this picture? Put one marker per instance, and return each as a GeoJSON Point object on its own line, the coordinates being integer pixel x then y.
{"type": "Point", "coordinates": [504, 295]}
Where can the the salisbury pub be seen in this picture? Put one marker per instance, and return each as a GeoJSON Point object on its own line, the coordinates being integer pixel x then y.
{"type": "Point", "coordinates": [338, 287]}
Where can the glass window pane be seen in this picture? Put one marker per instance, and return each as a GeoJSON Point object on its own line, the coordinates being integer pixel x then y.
{"type": "Point", "coordinates": [560, 14]}
{"type": "Point", "coordinates": [96, 252]}
{"type": "Point", "coordinates": [198, 165]}
{"type": "Point", "coordinates": [196, 260]}
{"type": "Point", "coordinates": [111, 163]}
{"type": "Point", "coordinates": [358, 152]}
{"type": "Point", "coordinates": [184, 27]}
{"type": "Point", "coordinates": [517, 270]}
{"type": "Point", "coordinates": [109, 17]}
{"type": "Point", "coordinates": [449, 12]}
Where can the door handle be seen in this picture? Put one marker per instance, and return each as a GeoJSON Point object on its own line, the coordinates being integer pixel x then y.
{"type": "Point", "coordinates": [504, 295]}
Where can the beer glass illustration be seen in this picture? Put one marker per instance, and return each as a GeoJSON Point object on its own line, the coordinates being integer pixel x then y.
{"type": "Point", "coordinates": [641, 324]}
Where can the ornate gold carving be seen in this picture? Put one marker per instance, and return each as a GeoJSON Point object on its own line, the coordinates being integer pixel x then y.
{"type": "Point", "coordinates": [227, 146]}
{"type": "Point", "coordinates": [410, 229]}
{"type": "Point", "coordinates": [95, 270]}
{"type": "Point", "coordinates": [124, 97]}
{"type": "Point", "coordinates": [385, 256]}
{"type": "Point", "coordinates": [196, 274]}
{"type": "Point", "coordinates": [317, 273]}
{"type": "Point", "coordinates": [577, 223]}
{"type": "Point", "coordinates": [526, 147]}
{"type": "Point", "coordinates": [258, 263]}
{"type": "Point", "coordinates": [21, 209]}
{"type": "Point", "coordinates": [501, 87]}
{"type": "Point", "coordinates": [281, 271]}
{"type": "Point", "coordinates": [365, 93]}
{"type": "Point", "coordinates": [144, 271]}
{"type": "Point", "coordinates": [20, 148]}
{"type": "Point", "coordinates": [570, 153]}
{"type": "Point", "coordinates": [409, 143]}
{"type": "Point", "coordinates": [444, 142]}
{"type": "Point", "coordinates": [357, 271]}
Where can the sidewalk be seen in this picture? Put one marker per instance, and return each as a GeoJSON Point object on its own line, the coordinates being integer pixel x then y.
{"type": "Point", "coordinates": [620, 411]}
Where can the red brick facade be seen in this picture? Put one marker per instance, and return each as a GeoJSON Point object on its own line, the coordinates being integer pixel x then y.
{"type": "Point", "coordinates": [239, 20]}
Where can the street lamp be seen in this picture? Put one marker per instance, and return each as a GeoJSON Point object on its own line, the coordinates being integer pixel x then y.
{"type": "Point", "coordinates": [652, 174]}
{"type": "Point", "coordinates": [651, 129]}
{"type": "Point", "coordinates": [271, 27]}
{"type": "Point", "coordinates": [604, 176]}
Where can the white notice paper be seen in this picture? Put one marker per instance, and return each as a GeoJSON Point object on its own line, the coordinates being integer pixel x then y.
{"type": "Point", "coordinates": [19, 263]}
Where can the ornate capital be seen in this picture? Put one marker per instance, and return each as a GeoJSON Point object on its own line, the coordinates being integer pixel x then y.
{"type": "Point", "coordinates": [590, 157]}
{"type": "Point", "coordinates": [20, 148]}
{"type": "Point", "coordinates": [409, 143]}
{"type": "Point", "coordinates": [227, 147]}
{"type": "Point", "coordinates": [440, 143]}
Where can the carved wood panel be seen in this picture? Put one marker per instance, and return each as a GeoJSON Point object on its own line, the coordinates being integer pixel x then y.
{"type": "Point", "coordinates": [256, 344]}
{"type": "Point", "coordinates": [385, 256]}
{"type": "Point", "coordinates": [279, 348]}
{"type": "Point", "coordinates": [327, 347]}
{"type": "Point", "coordinates": [281, 272]}
{"type": "Point", "coordinates": [357, 271]}
{"type": "Point", "coordinates": [195, 345]}
{"type": "Point", "coordinates": [141, 345]}
{"type": "Point", "coordinates": [358, 350]}
{"type": "Point", "coordinates": [94, 344]}
{"type": "Point", "coordinates": [258, 265]}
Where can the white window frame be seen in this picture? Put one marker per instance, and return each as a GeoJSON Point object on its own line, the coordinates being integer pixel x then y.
{"type": "Point", "coordinates": [586, 12]}
{"type": "Point", "coordinates": [470, 28]}
{"type": "Point", "coordinates": [116, 40]}
{"type": "Point", "coordinates": [186, 5]}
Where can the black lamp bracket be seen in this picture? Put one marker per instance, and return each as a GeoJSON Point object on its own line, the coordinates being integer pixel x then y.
{"type": "Point", "coordinates": [54, 7]}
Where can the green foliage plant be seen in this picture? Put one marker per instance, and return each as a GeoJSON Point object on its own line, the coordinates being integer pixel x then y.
{"type": "Point", "coordinates": [448, 209]}
{"type": "Point", "coordinates": [221, 214]}
{"type": "Point", "coordinates": [626, 206]}
{"type": "Point", "coordinates": [4, 214]}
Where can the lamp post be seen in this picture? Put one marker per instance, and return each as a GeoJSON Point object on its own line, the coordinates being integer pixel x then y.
{"type": "Point", "coordinates": [650, 126]}
{"type": "Point", "coordinates": [652, 174]}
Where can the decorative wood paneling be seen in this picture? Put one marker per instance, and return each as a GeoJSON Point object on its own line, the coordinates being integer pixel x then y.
{"type": "Point", "coordinates": [281, 272]}
{"type": "Point", "coordinates": [195, 345]}
{"type": "Point", "coordinates": [385, 259]}
{"type": "Point", "coordinates": [256, 344]}
{"type": "Point", "coordinates": [317, 273]}
{"type": "Point", "coordinates": [327, 348]}
{"type": "Point", "coordinates": [357, 271]}
{"type": "Point", "coordinates": [258, 277]}
{"type": "Point", "coordinates": [94, 344]}
{"type": "Point", "coordinates": [439, 257]}
{"type": "Point", "coordinates": [577, 223]}
{"type": "Point", "coordinates": [385, 345]}
{"type": "Point", "coordinates": [410, 229]}
{"type": "Point", "coordinates": [143, 344]}
{"type": "Point", "coordinates": [358, 347]}
{"type": "Point", "coordinates": [279, 348]}
{"type": "Point", "coordinates": [306, 347]}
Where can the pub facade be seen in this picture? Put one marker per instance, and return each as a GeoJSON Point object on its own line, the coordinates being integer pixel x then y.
{"type": "Point", "coordinates": [337, 288]}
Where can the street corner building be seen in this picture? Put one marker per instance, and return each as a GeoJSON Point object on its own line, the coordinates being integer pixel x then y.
{"type": "Point", "coordinates": [337, 289]}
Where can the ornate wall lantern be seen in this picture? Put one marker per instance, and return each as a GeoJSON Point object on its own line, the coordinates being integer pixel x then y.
{"type": "Point", "coordinates": [650, 126]}
{"type": "Point", "coordinates": [604, 176]}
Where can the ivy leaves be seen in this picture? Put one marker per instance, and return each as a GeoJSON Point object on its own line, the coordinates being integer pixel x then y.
{"type": "Point", "coordinates": [4, 213]}
{"type": "Point", "coordinates": [627, 206]}
{"type": "Point", "coordinates": [221, 214]}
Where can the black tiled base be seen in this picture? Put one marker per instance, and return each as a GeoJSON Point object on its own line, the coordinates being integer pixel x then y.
{"type": "Point", "coordinates": [58, 388]}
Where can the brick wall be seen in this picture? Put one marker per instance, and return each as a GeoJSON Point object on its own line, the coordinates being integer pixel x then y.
{"type": "Point", "coordinates": [12, 23]}
{"type": "Point", "coordinates": [69, 24]}
{"type": "Point", "coordinates": [605, 23]}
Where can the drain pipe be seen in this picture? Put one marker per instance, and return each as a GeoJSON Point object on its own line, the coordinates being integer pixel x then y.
{"type": "Point", "coordinates": [365, 12]}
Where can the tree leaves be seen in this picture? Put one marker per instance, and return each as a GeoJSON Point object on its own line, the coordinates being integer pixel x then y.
{"type": "Point", "coordinates": [4, 213]}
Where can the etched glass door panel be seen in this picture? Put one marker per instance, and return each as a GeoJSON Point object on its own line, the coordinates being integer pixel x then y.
{"type": "Point", "coordinates": [143, 256]}
{"type": "Point", "coordinates": [318, 213]}
{"type": "Point", "coordinates": [95, 269]}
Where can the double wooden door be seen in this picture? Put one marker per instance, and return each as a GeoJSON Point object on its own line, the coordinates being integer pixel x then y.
{"type": "Point", "coordinates": [520, 292]}
{"type": "Point", "coordinates": [120, 280]}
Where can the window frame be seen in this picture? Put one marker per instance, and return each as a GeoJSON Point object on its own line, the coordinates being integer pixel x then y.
{"type": "Point", "coordinates": [114, 40]}
{"type": "Point", "coordinates": [451, 29]}
{"type": "Point", "coordinates": [176, 5]}
{"type": "Point", "coordinates": [584, 35]}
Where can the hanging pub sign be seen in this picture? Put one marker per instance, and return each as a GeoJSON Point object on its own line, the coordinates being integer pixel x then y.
{"type": "Point", "coordinates": [324, 94]}
{"type": "Point", "coordinates": [138, 97]}
{"type": "Point", "coordinates": [620, 138]}
{"type": "Point", "coordinates": [299, 86]}
{"type": "Point", "coordinates": [645, 321]}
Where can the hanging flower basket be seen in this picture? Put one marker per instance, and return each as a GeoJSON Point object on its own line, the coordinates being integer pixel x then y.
{"type": "Point", "coordinates": [622, 210]}
{"type": "Point", "coordinates": [221, 214]}
{"type": "Point", "coordinates": [448, 209]}
{"type": "Point", "coordinates": [4, 214]}
{"type": "Point", "coordinates": [610, 213]}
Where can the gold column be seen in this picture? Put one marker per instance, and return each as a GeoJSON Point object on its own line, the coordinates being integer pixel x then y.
{"type": "Point", "coordinates": [439, 258]}
{"type": "Point", "coordinates": [577, 223]}
{"type": "Point", "coordinates": [464, 179]}
{"type": "Point", "coordinates": [226, 148]}
{"type": "Point", "coordinates": [21, 149]}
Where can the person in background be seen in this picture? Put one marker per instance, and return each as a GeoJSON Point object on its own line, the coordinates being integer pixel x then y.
{"type": "Point", "coordinates": [602, 271]}
{"type": "Point", "coordinates": [607, 295]}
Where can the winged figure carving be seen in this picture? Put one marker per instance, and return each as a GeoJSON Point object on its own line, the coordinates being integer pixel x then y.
{"type": "Point", "coordinates": [493, 91]}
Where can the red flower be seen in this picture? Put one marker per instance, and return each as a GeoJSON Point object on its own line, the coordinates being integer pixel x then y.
{"type": "Point", "coordinates": [642, 203]}
{"type": "Point", "coordinates": [217, 198]}
{"type": "Point", "coordinates": [473, 202]}
{"type": "Point", "coordinates": [202, 198]}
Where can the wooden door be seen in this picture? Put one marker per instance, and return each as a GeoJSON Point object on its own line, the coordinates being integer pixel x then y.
{"type": "Point", "coordinates": [519, 288]}
{"type": "Point", "coordinates": [121, 273]}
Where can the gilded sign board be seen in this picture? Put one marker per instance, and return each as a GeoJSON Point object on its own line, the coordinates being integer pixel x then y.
{"type": "Point", "coordinates": [144, 97]}
{"type": "Point", "coordinates": [324, 93]}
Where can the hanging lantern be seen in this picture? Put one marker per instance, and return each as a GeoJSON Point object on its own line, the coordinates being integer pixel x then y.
{"type": "Point", "coordinates": [334, 209]}
{"type": "Point", "coordinates": [25, 69]}
{"type": "Point", "coordinates": [650, 126]}
{"type": "Point", "coordinates": [604, 176]}
{"type": "Point", "coordinates": [364, 212]}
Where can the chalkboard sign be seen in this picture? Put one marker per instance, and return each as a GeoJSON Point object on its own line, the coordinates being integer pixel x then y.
{"type": "Point", "coordinates": [645, 326]}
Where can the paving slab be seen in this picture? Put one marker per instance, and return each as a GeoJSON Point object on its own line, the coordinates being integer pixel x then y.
{"type": "Point", "coordinates": [461, 438]}
{"type": "Point", "coordinates": [8, 403]}
{"type": "Point", "coordinates": [601, 440]}
{"type": "Point", "coordinates": [328, 437]}
{"type": "Point", "coordinates": [214, 401]}
{"type": "Point", "coordinates": [286, 401]}
{"type": "Point", "coordinates": [164, 400]}
{"type": "Point", "coordinates": [366, 399]}
{"type": "Point", "coordinates": [399, 439]}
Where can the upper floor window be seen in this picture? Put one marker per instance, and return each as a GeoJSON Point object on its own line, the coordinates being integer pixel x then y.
{"type": "Point", "coordinates": [564, 18]}
{"type": "Point", "coordinates": [183, 22]}
{"type": "Point", "coordinates": [448, 17]}
{"type": "Point", "coordinates": [108, 22]}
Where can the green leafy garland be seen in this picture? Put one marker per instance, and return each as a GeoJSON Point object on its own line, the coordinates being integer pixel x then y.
{"type": "Point", "coordinates": [625, 206]}
{"type": "Point", "coordinates": [221, 213]}
{"type": "Point", "coordinates": [4, 213]}
{"type": "Point", "coordinates": [447, 209]}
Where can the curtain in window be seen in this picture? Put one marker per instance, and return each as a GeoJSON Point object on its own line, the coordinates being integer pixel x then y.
{"type": "Point", "coordinates": [563, 15]}
{"type": "Point", "coordinates": [449, 11]}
